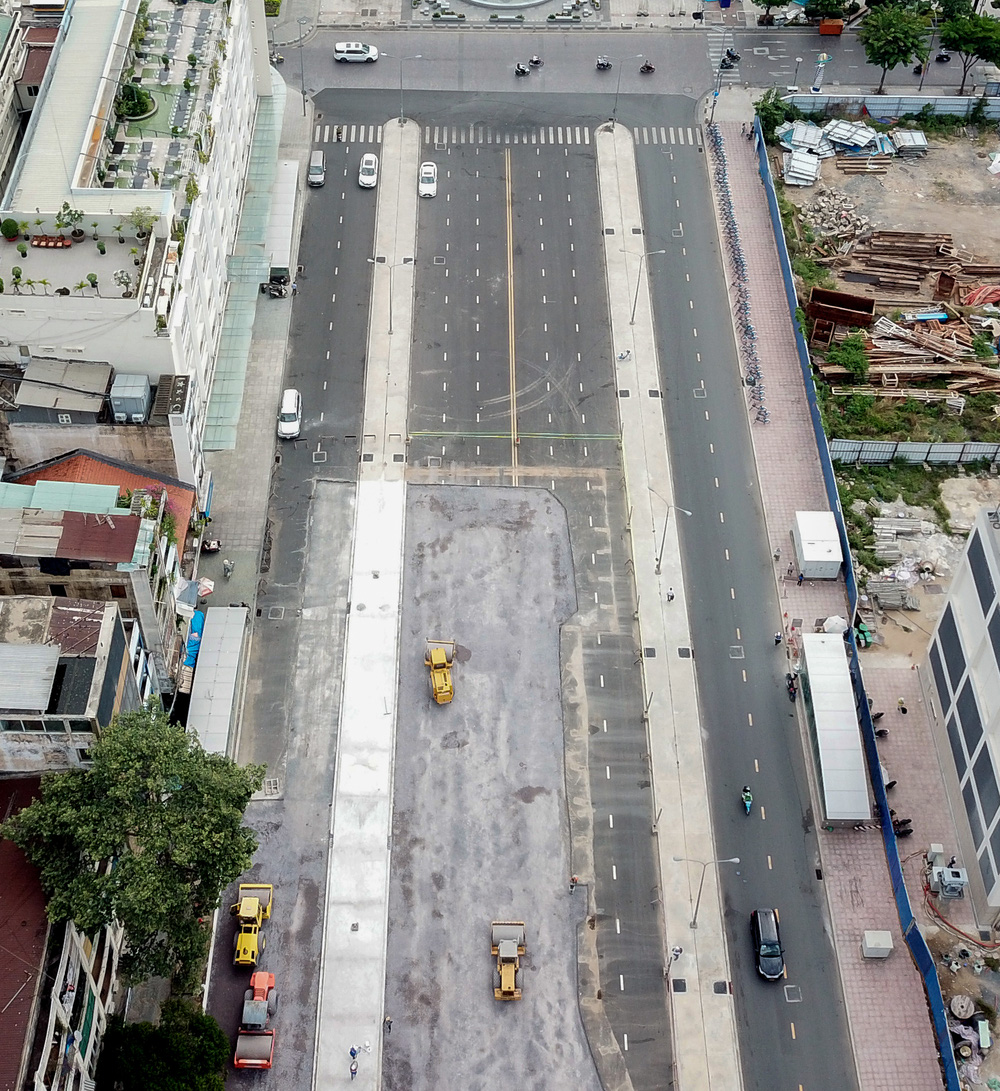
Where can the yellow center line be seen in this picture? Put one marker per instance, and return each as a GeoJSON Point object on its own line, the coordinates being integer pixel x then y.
{"type": "Point", "coordinates": [514, 439]}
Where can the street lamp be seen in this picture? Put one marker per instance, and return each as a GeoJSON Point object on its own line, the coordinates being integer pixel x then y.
{"type": "Point", "coordinates": [638, 279]}
{"type": "Point", "coordinates": [618, 87]}
{"type": "Point", "coordinates": [705, 864]}
{"type": "Point", "coordinates": [415, 57]}
{"type": "Point", "coordinates": [663, 540]}
{"type": "Point", "coordinates": [795, 79]}
{"type": "Point", "coordinates": [303, 22]}
{"type": "Point", "coordinates": [715, 95]}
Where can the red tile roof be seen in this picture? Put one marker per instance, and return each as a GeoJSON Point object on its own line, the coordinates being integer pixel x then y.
{"type": "Point", "coordinates": [41, 35]}
{"type": "Point", "coordinates": [24, 928]}
{"type": "Point", "coordinates": [89, 468]}
{"type": "Point", "coordinates": [35, 65]}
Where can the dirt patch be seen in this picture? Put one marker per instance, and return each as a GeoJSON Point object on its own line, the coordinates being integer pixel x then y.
{"type": "Point", "coordinates": [948, 190]}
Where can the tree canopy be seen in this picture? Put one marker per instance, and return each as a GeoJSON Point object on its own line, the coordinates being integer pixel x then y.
{"type": "Point", "coordinates": [892, 35]}
{"type": "Point", "coordinates": [972, 37]}
{"type": "Point", "coordinates": [188, 1051]}
{"type": "Point", "coordinates": [149, 835]}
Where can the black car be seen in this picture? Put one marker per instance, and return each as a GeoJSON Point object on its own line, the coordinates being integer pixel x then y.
{"type": "Point", "coordinates": [767, 944]}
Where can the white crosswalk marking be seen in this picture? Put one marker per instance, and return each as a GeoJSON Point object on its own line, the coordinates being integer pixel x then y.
{"type": "Point", "coordinates": [441, 136]}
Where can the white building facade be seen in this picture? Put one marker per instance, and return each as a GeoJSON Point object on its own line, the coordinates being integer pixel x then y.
{"type": "Point", "coordinates": [142, 290]}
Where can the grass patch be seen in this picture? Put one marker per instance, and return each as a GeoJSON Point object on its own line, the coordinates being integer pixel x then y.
{"type": "Point", "coordinates": [810, 273]}
{"type": "Point", "coordinates": [918, 486]}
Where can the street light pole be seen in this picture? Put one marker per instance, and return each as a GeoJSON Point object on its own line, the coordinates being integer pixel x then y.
{"type": "Point", "coordinates": [705, 864]}
{"type": "Point", "coordinates": [415, 57]}
{"type": "Point", "coordinates": [618, 87]}
{"type": "Point", "coordinates": [795, 78]}
{"type": "Point", "coordinates": [638, 279]}
{"type": "Point", "coordinates": [715, 95]}
{"type": "Point", "coordinates": [303, 21]}
{"type": "Point", "coordinates": [663, 540]}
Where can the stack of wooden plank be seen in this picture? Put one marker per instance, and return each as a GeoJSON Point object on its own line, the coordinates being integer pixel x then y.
{"type": "Point", "coordinates": [900, 260]}
{"type": "Point", "coordinates": [868, 164]}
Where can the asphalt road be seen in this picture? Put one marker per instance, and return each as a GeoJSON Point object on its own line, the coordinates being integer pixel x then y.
{"type": "Point", "coordinates": [794, 1033]}
{"type": "Point", "coordinates": [531, 209]}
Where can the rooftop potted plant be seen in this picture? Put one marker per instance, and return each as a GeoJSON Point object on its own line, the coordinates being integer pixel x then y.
{"type": "Point", "coordinates": [15, 278]}
{"type": "Point", "coordinates": [124, 281]}
{"type": "Point", "coordinates": [92, 280]}
{"type": "Point", "coordinates": [118, 229]}
{"type": "Point", "coordinates": [24, 227]}
{"type": "Point", "coordinates": [8, 228]}
{"type": "Point", "coordinates": [142, 219]}
{"type": "Point", "coordinates": [71, 217]}
{"type": "Point", "coordinates": [22, 249]}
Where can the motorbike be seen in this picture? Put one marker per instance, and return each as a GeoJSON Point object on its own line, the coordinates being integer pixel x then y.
{"type": "Point", "coordinates": [211, 545]}
{"type": "Point", "coordinates": [943, 58]}
{"type": "Point", "coordinates": [726, 64]}
{"type": "Point", "coordinates": [276, 58]}
{"type": "Point", "coordinates": [732, 55]}
{"type": "Point", "coordinates": [603, 64]}
{"type": "Point", "coordinates": [790, 685]}
{"type": "Point", "coordinates": [536, 61]}
{"type": "Point", "coordinates": [646, 68]}
{"type": "Point", "coordinates": [747, 798]}
{"type": "Point", "coordinates": [521, 69]}
{"type": "Point", "coordinates": [277, 291]}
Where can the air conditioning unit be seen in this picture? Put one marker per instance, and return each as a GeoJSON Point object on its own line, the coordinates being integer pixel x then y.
{"type": "Point", "coordinates": [121, 418]}
{"type": "Point", "coordinates": [138, 418]}
{"type": "Point", "coordinates": [949, 882]}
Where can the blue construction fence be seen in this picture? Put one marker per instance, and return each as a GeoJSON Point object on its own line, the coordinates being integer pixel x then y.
{"type": "Point", "coordinates": [919, 951]}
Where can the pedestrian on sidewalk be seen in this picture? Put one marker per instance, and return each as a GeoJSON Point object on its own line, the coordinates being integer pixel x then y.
{"type": "Point", "coordinates": [777, 639]}
{"type": "Point", "coordinates": [387, 1023]}
{"type": "Point", "coordinates": [355, 1050]}
{"type": "Point", "coordinates": [777, 554]}
{"type": "Point", "coordinates": [901, 705]}
{"type": "Point", "coordinates": [354, 1069]}
{"type": "Point", "coordinates": [625, 354]}
{"type": "Point", "coordinates": [801, 578]}
{"type": "Point", "coordinates": [670, 594]}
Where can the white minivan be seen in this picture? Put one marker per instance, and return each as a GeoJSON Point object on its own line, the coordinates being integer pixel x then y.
{"type": "Point", "coordinates": [317, 169]}
{"type": "Point", "coordinates": [354, 51]}
{"type": "Point", "coordinates": [290, 414]}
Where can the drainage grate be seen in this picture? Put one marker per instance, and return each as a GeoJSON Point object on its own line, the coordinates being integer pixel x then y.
{"type": "Point", "coordinates": [439, 261]}
{"type": "Point", "coordinates": [624, 394]}
{"type": "Point", "coordinates": [736, 651]}
{"type": "Point", "coordinates": [649, 653]}
{"type": "Point", "coordinates": [684, 653]}
{"type": "Point", "coordinates": [679, 984]}
{"type": "Point", "coordinates": [655, 394]}
{"type": "Point", "coordinates": [319, 457]}
{"type": "Point", "coordinates": [609, 231]}
{"type": "Point", "coordinates": [720, 988]}
{"type": "Point", "coordinates": [368, 458]}
{"type": "Point", "coordinates": [398, 458]}
{"type": "Point", "coordinates": [636, 230]}
{"type": "Point", "coordinates": [276, 613]}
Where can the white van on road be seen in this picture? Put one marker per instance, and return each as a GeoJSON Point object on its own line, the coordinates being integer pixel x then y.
{"type": "Point", "coordinates": [354, 51]}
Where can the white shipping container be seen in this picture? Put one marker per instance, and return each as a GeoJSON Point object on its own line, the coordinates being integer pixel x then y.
{"type": "Point", "coordinates": [817, 545]}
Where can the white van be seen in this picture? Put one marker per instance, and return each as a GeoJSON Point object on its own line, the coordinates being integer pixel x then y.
{"type": "Point", "coordinates": [290, 414]}
{"type": "Point", "coordinates": [354, 51]}
{"type": "Point", "coordinates": [317, 169]}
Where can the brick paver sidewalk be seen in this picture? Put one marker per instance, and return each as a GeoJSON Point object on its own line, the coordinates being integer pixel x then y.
{"type": "Point", "coordinates": [893, 1038]}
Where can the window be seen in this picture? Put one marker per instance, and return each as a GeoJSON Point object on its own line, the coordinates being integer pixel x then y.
{"type": "Point", "coordinates": [972, 813]}
{"type": "Point", "coordinates": [118, 591]}
{"type": "Point", "coordinates": [64, 418]}
{"type": "Point", "coordinates": [961, 762]}
{"type": "Point", "coordinates": [32, 90]}
{"type": "Point", "coordinates": [981, 575]}
{"type": "Point", "coordinates": [944, 697]}
{"type": "Point", "coordinates": [968, 714]}
{"type": "Point", "coordinates": [58, 590]}
{"type": "Point", "coordinates": [986, 785]}
{"type": "Point", "coordinates": [951, 646]}
{"type": "Point", "coordinates": [81, 725]}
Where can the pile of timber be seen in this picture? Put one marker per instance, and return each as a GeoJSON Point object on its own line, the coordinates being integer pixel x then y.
{"type": "Point", "coordinates": [928, 351]}
{"type": "Point", "coordinates": [868, 164]}
{"type": "Point", "coordinates": [899, 261]}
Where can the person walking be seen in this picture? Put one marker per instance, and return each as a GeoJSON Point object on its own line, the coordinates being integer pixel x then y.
{"type": "Point", "coordinates": [670, 594]}
{"type": "Point", "coordinates": [777, 639]}
{"type": "Point", "coordinates": [354, 1069]}
{"type": "Point", "coordinates": [387, 1024]}
{"type": "Point", "coordinates": [901, 705]}
{"type": "Point", "coordinates": [801, 578]}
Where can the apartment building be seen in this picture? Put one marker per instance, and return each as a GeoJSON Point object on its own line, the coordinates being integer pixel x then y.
{"type": "Point", "coordinates": [961, 680]}
{"type": "Point", "coordinates": [130, 222]}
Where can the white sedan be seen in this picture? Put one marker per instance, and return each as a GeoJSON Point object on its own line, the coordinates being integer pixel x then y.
{"type": "Point", "coordinates": [427, 180]}
{"type": "Point", "coordinates": [368, 171]}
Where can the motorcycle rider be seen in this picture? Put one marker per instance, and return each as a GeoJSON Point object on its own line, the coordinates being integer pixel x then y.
{"type": "Point", "coordinates": [646, 67]}
{"type": "Point", "coordinates": [520, 69]}
{"type": "Point", "coordinates": [747, 796]}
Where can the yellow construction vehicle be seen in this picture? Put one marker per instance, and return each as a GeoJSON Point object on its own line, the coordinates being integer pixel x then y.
{"type": "Point", "coordinates": [439, 656]}
{"type": "Point", "coordinates": [508, 946]}
{"type": "Point", "coordinates": [253, 908]}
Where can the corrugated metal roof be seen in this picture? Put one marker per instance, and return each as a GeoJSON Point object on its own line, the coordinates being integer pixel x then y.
{"type": "Point", "coordinates": [26, 675]}
{"type": "Point", "coordinates": [59, 496]}
{"type": "Point", "coordinates": [216, 677]}
{"type": "Point", "coordinates": [25, 927]}
{"type": "Point", "coordinates": [98, 537]}
{"type": "Point", "coordinates": [64, 384]}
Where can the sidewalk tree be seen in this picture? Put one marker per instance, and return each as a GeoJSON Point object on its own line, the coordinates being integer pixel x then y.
{"type": "Point", "coordinates": [973, 38]}
{"type": "Point", "coordinates": [767, 5]}
{"type": "Point", "coordinates": [824, 9]}
{"type": "Point", "coordinates": [166, 814]}
{"type": "Point", "coordinates": [187, 1051]}
{"type": "Point", "coordinates": [891, 36]}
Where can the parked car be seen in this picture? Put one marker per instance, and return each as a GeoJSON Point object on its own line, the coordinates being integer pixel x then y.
{"type": "Point", "coordinates": [766, 938]}
{"type": "Point", "coordinates": [290, 414]}
{"type": "Point", "coordinates": [368, 171]}
{"type": "Point", "coordinates": [427, 180]}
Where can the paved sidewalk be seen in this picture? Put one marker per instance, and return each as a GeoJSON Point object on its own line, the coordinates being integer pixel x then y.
{"type": "Point", "coordinates": [893, 1039]}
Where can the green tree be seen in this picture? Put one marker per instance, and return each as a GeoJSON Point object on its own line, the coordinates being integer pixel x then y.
{"type": "Point", "coordinates": [188, 1051]}
{"type": "Point", "coordinates": [167, 814]}
{"type": "Point", "coordinates": [850, 353]}
{"type": "Point", "coordinates": [892, 36]}
{"type": "Point", "coordinates": [972, 37]}
{"type": "Point", "coordinates": [767, 5]}
{"type": "Point", "coordinates": [824, 9]}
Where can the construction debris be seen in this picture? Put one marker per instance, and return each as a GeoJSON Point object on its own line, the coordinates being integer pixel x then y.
{"type": "Point", "coordinates": [859, 148]}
